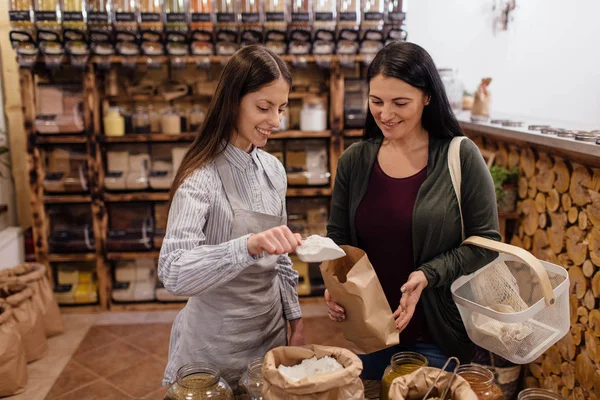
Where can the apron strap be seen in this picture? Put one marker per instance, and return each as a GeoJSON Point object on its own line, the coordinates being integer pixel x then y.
{"type": "Point", "coordinates": [272, 180]}
{"type": "Point", "coordinates": [226, 176]}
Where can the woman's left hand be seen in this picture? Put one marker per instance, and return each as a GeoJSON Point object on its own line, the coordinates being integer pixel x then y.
{"type": "Point", "coordinates": [411, 293]}
{"type": "Point", "coordinates": [297, 336]}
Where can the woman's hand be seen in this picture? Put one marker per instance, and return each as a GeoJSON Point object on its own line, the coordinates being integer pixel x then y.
{"type": "Point", "coordinates": [411, 293]}
{"type": "Point", "coordinates": [278, 240]}
{"type": "Point", "coordinates": [336, 312]}
{"type": "Point", "coordinates": [297, 335]}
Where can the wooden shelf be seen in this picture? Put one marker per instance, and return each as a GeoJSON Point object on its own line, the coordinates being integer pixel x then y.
{"type": "Point", "coordinates": [139, 196]}
{"type": "Point", "coordinates": [213, 59]}
{"type": "Point", "coordinates": [74, 309]}
{"type": "Point", "coordinates": [131, 255]}
{"type": "Point", "coordinates": [153, 306]}
{"type": "Point", "coordinates": [72, 257]}
{"type": "Point", "coordinates": [67, 198]}
{"type": "Point", "coordinates": [302, 95]}
{"type": "Point", "coordinates": [156, 98]}
{"type": "Point", "coordinates": [62, 139]}
{"type": "Point", "coordinates": [505, 215]}
{"type": "Point", "coordinates": [308, 192]}
{"type": "Point", "coordinates": [147, 138]}
{"type": "Point", "coordinates": [353, 132]}
{"type": "Point", "coordinates": [300, 135]}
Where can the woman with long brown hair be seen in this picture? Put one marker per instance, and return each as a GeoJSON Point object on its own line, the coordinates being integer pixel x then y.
{"type": "Point", "coordinates": [227, 241]}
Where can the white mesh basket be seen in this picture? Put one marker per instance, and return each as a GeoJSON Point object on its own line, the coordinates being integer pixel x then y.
{"type": "Point", "coordinates": [516, 306]}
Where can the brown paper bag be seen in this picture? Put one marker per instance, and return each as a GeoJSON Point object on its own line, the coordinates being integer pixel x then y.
{"type": "Point", "coordinates": [369, 325]}
{"type": "Point", "coordinates": [29, 321]}
{"type": "Point", "coordinates": [416, 385]}
{"type": "Point", "coordinates": [337, 385]}
{"type": "Point", "coordinates": [34, 275]}
{"type": "Point", "coordinates": [13, 365]}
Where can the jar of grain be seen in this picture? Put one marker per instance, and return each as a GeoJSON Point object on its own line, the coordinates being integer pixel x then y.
{"type": "Point", "coordinates": [482, 382]}
{"type": "Point", "coordinates": [199, 381]}
{"type": "Point", "coordinates": [402, 363]}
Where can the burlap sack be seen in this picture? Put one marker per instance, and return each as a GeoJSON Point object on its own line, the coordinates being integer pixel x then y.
{"type": "Point", "coordinates": [30, 323]}
{"type": "Point", "coordinates": [338, 385]}
{"type": "Point", "coordinates": [13, 365]}
{"type": "Point", "coordinates": [416, 385]}
{"type": "Point", "coordinates": [34, 275]}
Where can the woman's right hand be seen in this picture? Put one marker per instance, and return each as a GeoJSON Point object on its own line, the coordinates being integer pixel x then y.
{"type": "Point", "coordinates": [276, 241]}
{"type": "Point", "coordinates": [336, 312]}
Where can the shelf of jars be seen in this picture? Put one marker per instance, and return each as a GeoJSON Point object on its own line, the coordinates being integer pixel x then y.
{"type": "Point", "coordinates": [148, 138]}
{"type": "Point", "coordinates": [61, 139]}
{"type": "Point", "coordinates": [56, 257]}
{"type": "Point", "coordinates": [132, 255]}
{"type": "Point", "coordinates": [66, 198]}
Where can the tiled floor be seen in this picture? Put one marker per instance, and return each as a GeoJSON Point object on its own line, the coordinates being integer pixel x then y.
{"type": "Point", "coordinates": [122, 355]}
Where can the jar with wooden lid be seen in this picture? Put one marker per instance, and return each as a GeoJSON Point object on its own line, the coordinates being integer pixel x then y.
{"type": "Point", "coordinates": [199, 381]}
{"type": "Point", "coordinates": [482, 382]}
{"type": "Point", "coordinates": [401, 364]}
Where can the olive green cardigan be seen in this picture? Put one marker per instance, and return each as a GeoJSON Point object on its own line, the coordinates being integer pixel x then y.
{"type": "Point", "coordinates": [436, 227]}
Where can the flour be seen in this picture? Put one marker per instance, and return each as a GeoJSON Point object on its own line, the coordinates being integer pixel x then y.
{"type": "Point", "coordinates": [310, 367]}
{"type": "Point", "coordinates": [317, 248]}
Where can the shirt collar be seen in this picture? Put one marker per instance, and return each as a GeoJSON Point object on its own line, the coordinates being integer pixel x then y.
{"type": "Point", "coordinates": [239, 158]}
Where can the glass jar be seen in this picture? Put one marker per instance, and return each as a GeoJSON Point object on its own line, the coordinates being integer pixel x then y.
{"type": "Point", "coordinates": [140, 120]}
{"type": "Point", "coordinates": [197, 116]}
{"type": "Point", "coordinates": [154, 119]}
{"type": "Point", "coordinates": [401, 364]}
{"type": "Point", "coordinates": [255, 382]}
{"type": "Point", "coordinates": [539, 394]}
{"type": "Point", "coordinates": [171, 123]}
{"type": "Point", "coordinates": [198, 381]}
{"type": "Point", "coordinates": [453, 86]}
{"type": "Point", "coordinates": [114, 123]}
{"type": "Point", "coordinates": [313, 116]}
{"type": "Point", "coordinates": [482, 382]}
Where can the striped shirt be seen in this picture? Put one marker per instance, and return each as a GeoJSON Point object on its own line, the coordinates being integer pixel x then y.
{"type": "Point", "coordinates": [196, 255]}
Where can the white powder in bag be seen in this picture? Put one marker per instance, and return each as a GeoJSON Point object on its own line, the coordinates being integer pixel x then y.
{"type": "Point", "coordinates": [310, 367]}
{"type": "Point", "coordinates": [317, 248]}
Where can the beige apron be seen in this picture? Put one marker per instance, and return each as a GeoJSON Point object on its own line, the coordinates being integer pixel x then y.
{"type": "Point", "coordinates": [243, 318]}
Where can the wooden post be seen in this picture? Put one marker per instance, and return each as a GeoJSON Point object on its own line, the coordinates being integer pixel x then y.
{"type": "Point", "coordinates": [36, 173]}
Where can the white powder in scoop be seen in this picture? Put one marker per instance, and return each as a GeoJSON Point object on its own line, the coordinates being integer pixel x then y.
{"type": "Point", "coordinates": [310, 367]}
{"type": "Point", "coordinates": [317, 248]}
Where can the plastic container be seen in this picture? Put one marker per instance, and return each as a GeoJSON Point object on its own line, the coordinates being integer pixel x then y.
{"type": "Point", "coordinates": [117, 168]}
{"type": "Point", "coordinates": [171, 123]}
{"type": "Point", "coordinates": [70, 228]}
{"type": "Point", "coordinates": [516, 306]}
{"type": "Point", "coordinates": [130, 227]}
{"type": "Point", "coordinates": [197, 116]}
{"type": "Point", "coordinates": [313, 116]}
{"type": "Point", "coordinates": [59, 109]}
{"type": "Point", "coordinates": [114, 123]}
{"type": "Point", "coordinates": [402, 363]}
{"type": "Point", "coordinates": [482, 382]}
{"type": "Point", "coordinates": [307, 162]}
{"type": "Point", "coordinates": [355, 103]}
{"type": "Point", "coordinates": [66, 171]}
{"type": "Point", "coordinates": [276, 23]}
{"type": "Point", "coordinates": [134, 281]}
{"type": "Point", "coordinates": [454, 88]}
{"type": "Point", "coordinates": [140, 120]}
{"type": "Point", "coordinates": [199, 381]}
{"type": "Point", "coordinates": [76, 283]}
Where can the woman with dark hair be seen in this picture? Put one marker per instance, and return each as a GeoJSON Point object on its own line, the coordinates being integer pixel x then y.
{"type": "Point", "coordinates": [227, 241]}
{"type": "Point", "coordinates": [393, 198]}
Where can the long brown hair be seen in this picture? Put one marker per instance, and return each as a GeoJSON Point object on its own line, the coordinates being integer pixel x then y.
{"type": "Point", "coordinates": [249, 69]}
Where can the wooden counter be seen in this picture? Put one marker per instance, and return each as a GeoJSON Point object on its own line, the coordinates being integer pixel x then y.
{"type": "Point", "coordinates": [558, 221]}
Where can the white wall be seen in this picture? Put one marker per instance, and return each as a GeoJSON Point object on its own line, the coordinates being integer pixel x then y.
{"type": "Point", "coordinates": [546, 65]}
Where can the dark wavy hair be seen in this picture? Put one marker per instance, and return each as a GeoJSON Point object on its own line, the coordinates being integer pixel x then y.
{"type": "Point", "coordinates": [248, 70]}
{"type": "Point", "coordinates": [413, 65]}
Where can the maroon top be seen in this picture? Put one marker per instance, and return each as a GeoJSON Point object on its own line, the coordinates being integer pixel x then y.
{"type": "Point", "coordinates": [384, 230]}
